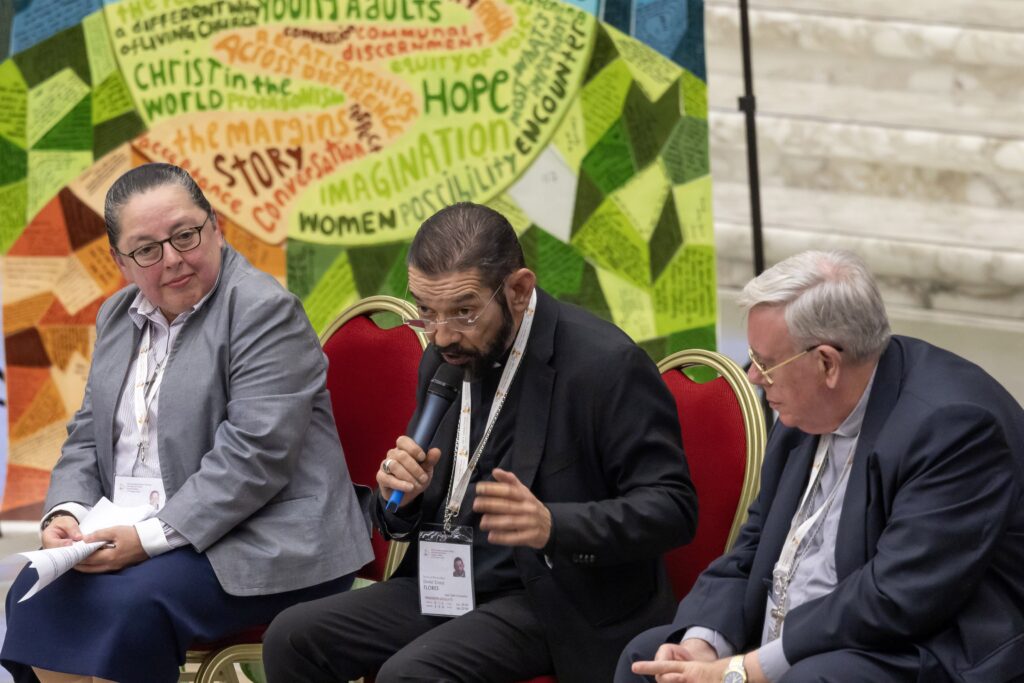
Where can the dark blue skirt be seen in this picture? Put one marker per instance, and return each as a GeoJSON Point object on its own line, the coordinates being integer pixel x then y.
{"type": "Point", "coordinates": [132, 626]}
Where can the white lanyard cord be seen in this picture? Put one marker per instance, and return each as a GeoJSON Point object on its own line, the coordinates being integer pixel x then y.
{"type": "Point", "coordinates": [804, 520]}
{"type": "Point", "coordinates": [804, 526]}
{"type": "Point", "coordinates": [145, 392]}
{"type": "Point", "coordinates": [464, 466]}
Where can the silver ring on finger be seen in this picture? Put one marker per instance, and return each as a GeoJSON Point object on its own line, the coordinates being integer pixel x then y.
{"type": "Point", "coordinates": [386, 466]}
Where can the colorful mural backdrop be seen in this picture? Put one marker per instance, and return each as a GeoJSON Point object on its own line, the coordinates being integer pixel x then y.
{"type": "Point", "coordinates": [324, 132]}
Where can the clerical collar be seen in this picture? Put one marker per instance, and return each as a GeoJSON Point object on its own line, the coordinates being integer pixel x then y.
{"type": "Point", "coordinates": [495, 369]}
{"type": "Point", "coordinates": [500, 363]}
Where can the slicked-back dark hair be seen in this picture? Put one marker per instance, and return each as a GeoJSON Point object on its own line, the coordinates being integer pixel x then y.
{"type": "Point", "coordinates": [143, 179]}
{"type": "Point", "coordinates": [464, 236]}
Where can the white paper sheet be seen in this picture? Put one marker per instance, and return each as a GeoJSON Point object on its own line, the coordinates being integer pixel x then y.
{"type": "Point", "coordinates": [53, 562]}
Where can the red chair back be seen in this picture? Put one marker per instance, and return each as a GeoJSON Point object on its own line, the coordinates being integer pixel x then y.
{"type": "Point", "coordinates": [371, 376]}
{"type": "Point", "coordinates": [723, 434]}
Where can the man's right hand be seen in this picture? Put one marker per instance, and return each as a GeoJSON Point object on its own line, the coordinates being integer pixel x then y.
{"type": "Point", "coordinates": [62, 530]}
{"type": "Point", "coordinates": [690, 650]}
{"type": "Point", "coordinates": [409, 470]}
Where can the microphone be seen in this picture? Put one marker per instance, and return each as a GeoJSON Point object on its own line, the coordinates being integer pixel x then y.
{"type": "Point", "coordinates": [440, 393]}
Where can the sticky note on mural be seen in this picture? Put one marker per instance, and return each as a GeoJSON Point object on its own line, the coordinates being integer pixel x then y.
{"type": "Point", "coordinates": [48, 172]}
{"type": "Point", "coordinates": [51, 101]}
{"type": "Point", "coordinates": [333, 293]}
{"type": "Point", "coordinates": [13, 103]}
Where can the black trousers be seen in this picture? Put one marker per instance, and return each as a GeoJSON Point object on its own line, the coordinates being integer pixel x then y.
{"type": "Point", "coordinates": [380, 628]}
{"type": "Point", "coordinates": [841, 666]}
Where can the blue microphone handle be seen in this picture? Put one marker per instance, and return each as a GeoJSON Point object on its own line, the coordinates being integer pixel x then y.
{"type": "Point", "coordinates": [394, 501]}
{"type": "Point", "coordinates": [433, 411]}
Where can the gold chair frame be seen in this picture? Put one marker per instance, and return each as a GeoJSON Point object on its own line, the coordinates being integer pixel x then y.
{"type": "Point", "coordinates": [380, 303]}
{"type": "Point", "coordinates": [218, 666]}
{"type": "Point", "coordinates": [753, 421]}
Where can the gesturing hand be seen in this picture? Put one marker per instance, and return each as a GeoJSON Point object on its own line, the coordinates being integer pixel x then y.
{"type": "Point", "coordinates": [512, 515]}
{"type": "Point", "coordinates": [126, 550]}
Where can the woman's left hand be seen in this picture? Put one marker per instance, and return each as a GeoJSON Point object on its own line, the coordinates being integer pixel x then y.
{"type": "Point", "coordinates": [126, 551]}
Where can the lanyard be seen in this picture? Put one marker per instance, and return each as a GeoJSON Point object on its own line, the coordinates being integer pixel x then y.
{"type": "Point", "coordinates": [464, 466]}
{"type": "Point", "coordinates": [146, 389]}
{"type": "Point", "coordinates": [805, 525]}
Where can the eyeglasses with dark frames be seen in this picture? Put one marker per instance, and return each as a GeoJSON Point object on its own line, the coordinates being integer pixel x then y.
{"type": "Point", "coordinates": [459, 323]}
{"type": "Point", "coordinates": [766, 373]}
{"type": "Point", "coordinates": [152, 253]}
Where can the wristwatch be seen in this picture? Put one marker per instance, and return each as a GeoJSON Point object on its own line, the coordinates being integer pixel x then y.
{"type": "Point", "coordinates": [735, 673]}
{"type": "Point", "coordinates": [54, 515]}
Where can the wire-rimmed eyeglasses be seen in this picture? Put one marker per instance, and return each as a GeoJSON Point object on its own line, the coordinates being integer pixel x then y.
{"type": "Point", "coordinates": [152, 253]}
{"type": "Point", "coordinates": [458, 323]}
{"type": "Point", "coordinates": [766, 373]}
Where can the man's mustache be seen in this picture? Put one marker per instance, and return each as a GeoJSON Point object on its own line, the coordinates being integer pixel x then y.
{"type": "Point", "coordinates": [456, 350]}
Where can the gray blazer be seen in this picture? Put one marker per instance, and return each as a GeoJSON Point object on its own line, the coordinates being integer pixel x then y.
{"type": "Point", "coordinates": [250, 456]}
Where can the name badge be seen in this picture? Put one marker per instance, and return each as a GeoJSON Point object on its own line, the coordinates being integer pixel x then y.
{"type": "Point", "coordinates": [133, 491]}
{"type": "Point", "coordinates": [446, 571]}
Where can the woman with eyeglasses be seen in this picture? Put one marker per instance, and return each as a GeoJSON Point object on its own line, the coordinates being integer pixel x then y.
{"type": "Point", "coordinates": [207, 386]}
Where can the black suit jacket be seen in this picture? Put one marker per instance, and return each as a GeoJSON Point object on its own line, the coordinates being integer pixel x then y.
{"type": "Point", "coordinates": [597, 440]}
{"type": "Point", "coordinates": [930, 546]}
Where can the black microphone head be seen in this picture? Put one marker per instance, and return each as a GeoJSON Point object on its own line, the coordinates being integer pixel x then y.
{"type": "Point", "coordinates": [446, 381]}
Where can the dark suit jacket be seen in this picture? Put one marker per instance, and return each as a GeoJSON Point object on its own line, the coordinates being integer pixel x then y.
{"type": "Point", "coordinates": [597, 440]}
{"type": "Point", "coordinates": [930, 546]}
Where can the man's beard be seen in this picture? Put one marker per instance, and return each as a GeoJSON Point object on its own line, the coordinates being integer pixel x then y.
{"type": "Point", "coordinates": [481, 361]}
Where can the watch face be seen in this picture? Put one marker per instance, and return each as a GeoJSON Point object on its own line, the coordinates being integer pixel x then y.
{"type": "Point", "coordinates": [734, 677]}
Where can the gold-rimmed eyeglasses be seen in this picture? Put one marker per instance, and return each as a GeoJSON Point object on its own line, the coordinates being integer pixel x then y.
{"type": "Point", "coordinates": [766, 373]}
{"type": "Point", "coordinates": [152, 253]}
{"type": "Point", "coordinates": [459, 323]}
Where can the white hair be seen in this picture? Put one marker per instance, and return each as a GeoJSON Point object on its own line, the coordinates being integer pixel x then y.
{"type": "Point", "coordinates": [829, 297]}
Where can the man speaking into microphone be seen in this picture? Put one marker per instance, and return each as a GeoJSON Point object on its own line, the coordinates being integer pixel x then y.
{"type": "Point", "coordinates": [556, 475]}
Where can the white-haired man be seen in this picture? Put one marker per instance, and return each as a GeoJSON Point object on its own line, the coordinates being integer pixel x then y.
{"type": "Point", "coordinates": [888, 536]}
